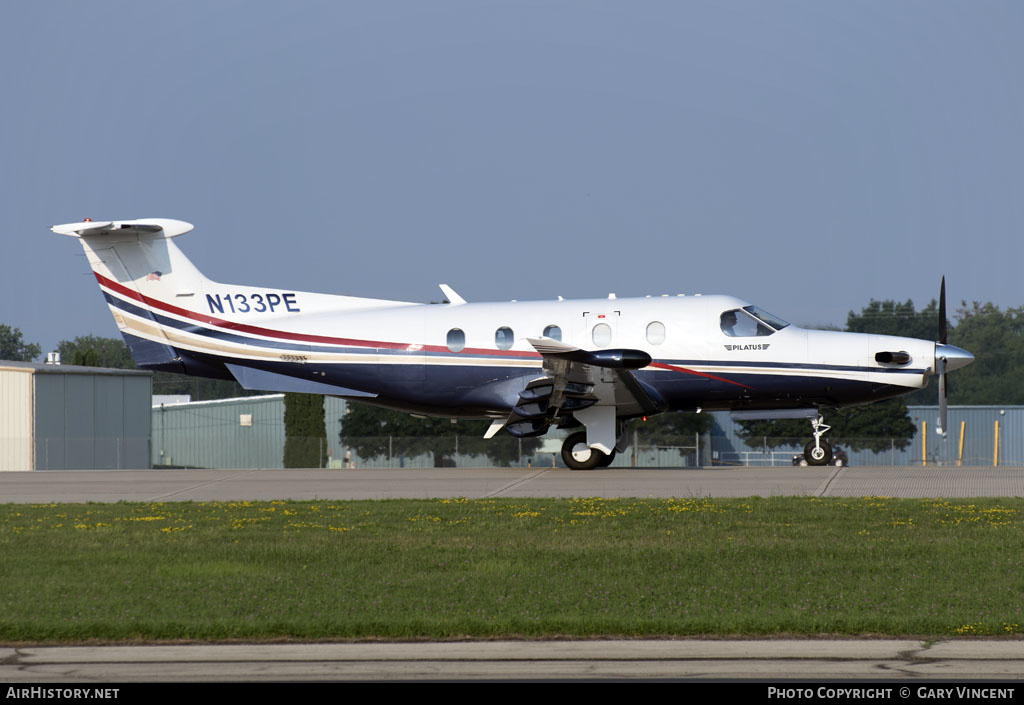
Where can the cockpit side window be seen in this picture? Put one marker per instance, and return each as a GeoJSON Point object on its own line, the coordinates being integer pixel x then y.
{"type": "Point", "coordinates": [739, 323]}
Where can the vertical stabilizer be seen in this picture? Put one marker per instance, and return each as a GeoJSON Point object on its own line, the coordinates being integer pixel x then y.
{"type": "Point", "coordinates": [135, 260]}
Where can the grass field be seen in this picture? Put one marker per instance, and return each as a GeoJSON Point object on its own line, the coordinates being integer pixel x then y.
{"type": "Point", "coordinates": [406, 569]}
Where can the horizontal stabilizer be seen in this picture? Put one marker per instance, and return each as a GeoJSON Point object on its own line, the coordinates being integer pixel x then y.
{"type": "Point", "coordinates": [252, 378]}
{"type": "Point", "coordinates": [145, 227]}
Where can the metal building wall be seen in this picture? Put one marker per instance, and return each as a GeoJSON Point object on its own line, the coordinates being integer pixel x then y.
{"type": "Point", "coordinates": [979, 436]}
{"type": "Point", "coordinates": [15, 418]}
{"type": "Point", "coordinates": [979, 439]}
{"type": "Point", "coordinates": [91, 419]}
{"type": "Point", "coordinates": [210, 434]}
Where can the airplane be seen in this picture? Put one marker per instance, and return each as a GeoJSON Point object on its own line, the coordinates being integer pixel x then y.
{"type": "Point", "coordinates": [525, 365]}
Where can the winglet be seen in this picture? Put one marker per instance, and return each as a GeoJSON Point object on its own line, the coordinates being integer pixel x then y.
{"type": "Point", "coordinates": [453, 298]}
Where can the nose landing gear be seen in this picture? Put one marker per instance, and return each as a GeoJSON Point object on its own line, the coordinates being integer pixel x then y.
{"type": "Point", "coordinates": [818, 451]}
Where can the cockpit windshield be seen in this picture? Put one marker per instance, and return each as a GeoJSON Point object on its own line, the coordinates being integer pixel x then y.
{"type": "Point", "coordinates": [750, 321]}
{"type": "Point", "coordinates": [774, 321]}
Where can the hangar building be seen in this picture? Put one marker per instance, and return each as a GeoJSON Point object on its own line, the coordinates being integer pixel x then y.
{"type": "Point", "coordinates": [64, 417]}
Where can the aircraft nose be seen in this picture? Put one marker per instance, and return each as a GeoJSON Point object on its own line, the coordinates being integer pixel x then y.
{"type": "Point", "coordinates": [955, 357]}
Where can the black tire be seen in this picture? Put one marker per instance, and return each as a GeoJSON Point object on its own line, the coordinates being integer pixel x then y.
{"type": "Point", "coordinates": [821, 455]}
{"type": "Point", "coordinates": [606, 460]}
{"type": "Point", "coordinates": [584, 457]}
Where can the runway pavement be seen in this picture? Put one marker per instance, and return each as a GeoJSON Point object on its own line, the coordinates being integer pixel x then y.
{"type": "Point", "coordinates": [238, 485]}
{"type": "Point", "coordinates": [772, 661]}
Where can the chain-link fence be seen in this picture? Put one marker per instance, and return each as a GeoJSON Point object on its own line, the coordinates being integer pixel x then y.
{"type": "Point", "coordinates": [923, 450]}
{"type": "Point", "coordinates": [265, 447]}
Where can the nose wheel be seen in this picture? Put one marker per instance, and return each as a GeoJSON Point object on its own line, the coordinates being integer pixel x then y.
{"type": "Point", "coordinates": [818, 451]}
{"type": "Point", "coordinates": [820, 454]}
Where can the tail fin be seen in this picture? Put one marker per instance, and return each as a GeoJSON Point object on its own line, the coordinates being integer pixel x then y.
{"type": "Point", "coordinates": [134, 260]}
{"type": "Point", "coordinates": [175, 319]}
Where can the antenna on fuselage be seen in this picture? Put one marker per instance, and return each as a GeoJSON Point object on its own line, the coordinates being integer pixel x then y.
{"type": "Point", "coordinates": [451, 295]}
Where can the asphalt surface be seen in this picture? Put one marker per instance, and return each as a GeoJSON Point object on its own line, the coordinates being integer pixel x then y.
{"type": "Point", "coordinates": [239, 485]}
{"type": "Point", "coordinates": [766, 660]}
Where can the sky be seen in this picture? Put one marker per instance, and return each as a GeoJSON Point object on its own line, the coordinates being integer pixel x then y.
{"type": "Point", "coordinates": [805, 156]}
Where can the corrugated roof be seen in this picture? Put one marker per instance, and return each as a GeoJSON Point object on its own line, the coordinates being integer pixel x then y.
{"type": "Point", "coordinates": [42, 367]}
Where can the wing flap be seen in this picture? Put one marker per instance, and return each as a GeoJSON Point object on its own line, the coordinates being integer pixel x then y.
{"type": "Point", "coordinates": [596, 387]}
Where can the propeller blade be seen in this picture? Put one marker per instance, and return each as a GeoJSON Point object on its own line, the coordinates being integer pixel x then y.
{"type": "Point", "coordinates": [940, 369]}
{"type": "Point", "coordinates": [942, 311]}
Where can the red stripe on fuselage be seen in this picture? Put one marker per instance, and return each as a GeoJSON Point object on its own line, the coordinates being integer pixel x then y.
{"type": "Point", "coordinates": [688, 371]}
{"type": "Point", "coordinates": [299, 337]}
{"type": "Point", "coordinates": [302, 337]}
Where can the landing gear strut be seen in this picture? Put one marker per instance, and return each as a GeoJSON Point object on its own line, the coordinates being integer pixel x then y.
{"type": "Point", "coordinates": [818, 451]}
{"type": "Point", "coordinates": [577, 455]}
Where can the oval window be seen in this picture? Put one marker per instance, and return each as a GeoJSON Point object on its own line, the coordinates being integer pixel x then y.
{"type": "Point", "coordinates": [456, 340]}
{"type": "Point", "coordinates": [655, 332]}
{"type": "Point", "coordinates": [602, 335]}
{"type": "Point", "coordinates": [503, 338]}
{"type": "Point", "coordinates": [553, 332]}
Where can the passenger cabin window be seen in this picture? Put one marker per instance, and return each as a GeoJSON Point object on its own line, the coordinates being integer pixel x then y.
{"type": "Point", "coordinates": [602, 335]}
{"type": "Point", "coordinates": [553, 332]}
{"type": "Point", "coordinates": [504, 338]}
{"type": "Point", "coordinates": [456, 340]}
{"type": "Point", "coordinates": [750, 321]}
{"type": "Point", "coordinates": [655, 333]}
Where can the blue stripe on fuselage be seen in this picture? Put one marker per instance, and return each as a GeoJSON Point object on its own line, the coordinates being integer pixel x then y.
{"type": "Point", "coordinates": [217, 334]}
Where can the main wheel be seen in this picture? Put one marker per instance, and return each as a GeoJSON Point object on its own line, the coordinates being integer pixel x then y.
{"type": "Point", "coordinates": [577, 455]}
{"type": "Point", "coordinates": [818, 455]}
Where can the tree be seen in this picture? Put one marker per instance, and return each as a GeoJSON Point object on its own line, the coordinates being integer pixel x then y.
{"type": "Point", "coordinates": [93, 351]}
{"type": "Point", "coordinates": [199, 388]}
{"type": "Point", "coordinates": [13, 347]}
{"type": "Point", "coordinates": [374, 432]}
{"type": "Point", "coordinates": [893, 318]}
{"type": "Point", "coordinates": [305, 432]}
{"type": "Point", "coordinates": [996, 339]}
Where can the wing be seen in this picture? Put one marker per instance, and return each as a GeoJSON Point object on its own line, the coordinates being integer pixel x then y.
{"type": "Point", "coordinates": [594, 387]}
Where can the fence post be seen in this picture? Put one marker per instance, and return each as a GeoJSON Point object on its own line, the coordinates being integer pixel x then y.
{"type": "Point", "coordinates": [995, 446]}
{"type": "Point", "coordinates": [960, 449]}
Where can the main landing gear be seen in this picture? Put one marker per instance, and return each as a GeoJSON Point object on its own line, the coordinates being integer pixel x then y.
{"type": "Point", "coordinates": [818, 451]}
{"type": "Point", "coordinates": [577, 455]}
